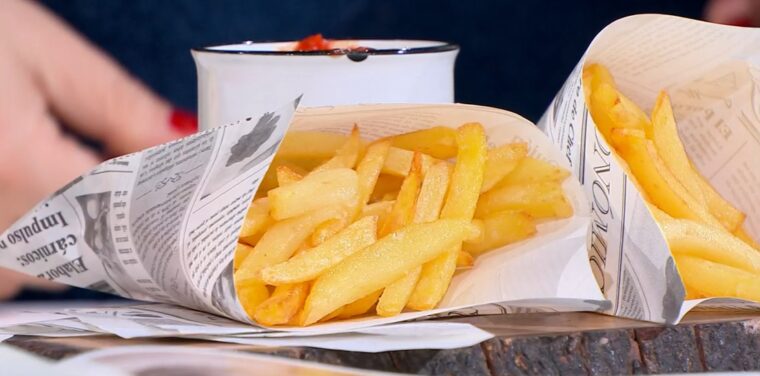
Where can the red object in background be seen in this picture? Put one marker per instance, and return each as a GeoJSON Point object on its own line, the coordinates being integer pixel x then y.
{"type": "Point", "coordinates": [743, 22]}
{"type": "Point", "coordinates": [313, 43]}
{"type": "Point", "coordinates": [183, 121]}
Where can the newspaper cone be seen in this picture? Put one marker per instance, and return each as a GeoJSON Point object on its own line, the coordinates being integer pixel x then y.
{"type": "Point", "coordinates": [711, 74]}
{"type": "Point", "coordinates": [162, 224]}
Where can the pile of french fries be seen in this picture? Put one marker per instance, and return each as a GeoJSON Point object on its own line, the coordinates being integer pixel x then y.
{"type": "Point", "coordinates": [714, 255]}
{"type": "Point", "coordinates": [340, 225]}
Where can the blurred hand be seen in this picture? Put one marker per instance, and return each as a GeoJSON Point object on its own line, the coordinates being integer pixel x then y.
{"type": "Point", "coordinates": [48, 74]}
{"type": "Point", "coordinates": [733, 12]}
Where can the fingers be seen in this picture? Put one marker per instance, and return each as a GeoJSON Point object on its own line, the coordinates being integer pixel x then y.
{"type": "Point", "coordinates": [86, 88]}
{"type": "Point", "coordinates": [35, 164]}
{"type": "Point", "coordinates": [731, 12]}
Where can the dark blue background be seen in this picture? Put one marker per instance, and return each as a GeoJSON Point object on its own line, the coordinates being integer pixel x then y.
{"type": "Point", "coordinates": [515, 55]}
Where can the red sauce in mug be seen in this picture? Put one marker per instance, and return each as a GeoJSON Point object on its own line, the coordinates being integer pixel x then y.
{"type": "Point", "coordinates": [313, 43]}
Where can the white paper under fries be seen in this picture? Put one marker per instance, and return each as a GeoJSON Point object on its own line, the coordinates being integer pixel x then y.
{"type": "Point", "coordinates": [711, 73]}
{"type": "Point", "coordinates": [161, 225]}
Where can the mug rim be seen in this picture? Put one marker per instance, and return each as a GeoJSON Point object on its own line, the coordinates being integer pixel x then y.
{"type": "Point", "coordinates": [435, 47]}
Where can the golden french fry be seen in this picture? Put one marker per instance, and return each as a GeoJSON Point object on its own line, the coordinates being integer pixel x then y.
{"type": "Point", "coordinates": [501, 161]}
{"type": "Point", "coordinates": [347, 155]}
{"type": "Point", "coordinates": [532, 170]}
{"type": "Point", "coordinates": [310, 263]}
{"type": "Point", "coordinates": [403, 208]}
{"type": "Point", "coordinates": [659, 184]}
{"type": "Point", "coordinates": [256, 221]}
{"type": "Point", "coordinates": [707, 278]}
{"type": "Point", "coordinates": [311, 145]}
{"type": "Point", "coordinates": [671, 150]}
{"type": "Point", "coordinates": [499, 229]}
{"type": "Point", "coordinates": [593, 76]}
{"type": "Point", "coordinates": [429, 202]}
{"type": "Point", "coordinates": [439, 142]}
{"type": "Point", "coordinates": [744, 236]}
{"type": "Point", "coordinates": [385, 185]}
{"type": "Point", "coordinates": [461, 202]}
{"type": "Point", "coordinates": [540, 200]}
{"type": "Point", "coordinates": [464, 259]}
{"type": "Point", "coordinates": [242, 251]}
{"type": "Point", "coordinates": [435, 184]}
{"type": "Point", "coordinates": [287, 176]}
{"type": "Point", "coordinates": [327, 229]}
{"type": "Point", "coordinates": [379, 209]}
{"type": "Point", "coordinates": [601, 99]}
{"type": "Point", "coordinates": [368, 171]}
{"type": "Point", "coordinates": [382, 263]}
{"type": "Point", "coordinates": [359, 307]}
{"type": "Point", "coordinates": [690, 238]}
{"type": "Point", "coordinates": [399, 161]}
{"type": "Point", "coordinates": [282, 240]}
{"type": "Point", "coordinates": [251, 294]}
{"type": "Point", "coordinates": [726, 213]}
{"type": "Point", "coordinates": [283, 305]}
{"type": "Point", "coordinates": [626, 114]}
{"type": "Point", "coordinates": [332, 187]}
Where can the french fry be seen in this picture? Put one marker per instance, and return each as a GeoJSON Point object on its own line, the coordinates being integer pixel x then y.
{"type": "Point", "coordinates": [532, 170]}
{"type": "Point", "coordinates": [333, 187]}
{"type": "Point", "coordinates": [242, 251]}
{"type": "Point", "coordinates": [256, 221]}
{"type": "Point", "coordinates": [744, 236]}
{"type": "Point", "coordinates": [626, 114]}
{"type": "Point", "coordinates": [284, 303]}
{"type": "Point", "coordinates": [438, 142]}
{"type": "Point", "coordinates": [328, 229]}
{"type": "Point", "coordinates": [347, 155]}
{"type": "Point", "coordinates": [379, 209]}
{"type": "Point", "coordinates": [251, 294]}
{"type": "Point", "coordinates": [310, 145]}
{"type": "Point", "coordinates": [435, 185]}
{"type": "Point", "coordinates": [287, 176]}
{"type": "Point", "coordinates": [282, 240]}
{"type": "Point", "coordinates": [690, 238]}
{"type": "Point", "coordinates": [600, 102]}
{"type": "Point", "coordinates": [726, 213]}
{"type": "Point", "coordinates": [707, 278]}
{"type": "Point", "coordinates": [429, 202]}
{"type": "Point", "coordinates": [501, 161]}
{"type": "Point", "coordinates": [399, 161]}
{"type": "Point", "coordinates": [461, 201]}
{"type": "Point", "coordinates": [382, 263]}
{"type": "Point", "coordinates": [368, 171]}
{"type": "Point", "coordinates": [539, 200]}
{"type": "Point", "coordinates": [593, 76]}
{"type": "Point", "coordinates": [499, 229]}
{"type": "Point", "coordinates": [659, 184]}
{"type": "Point", "coordinates": [386, 184]}
{"type": "Point", "coordinates": [310, 263]}
{"type": "Point", "coordinates": [671, 150]}
{"type": "Point", "coordinates": [464, 259]}
{"type": "Point", "coordinates": [403, 207]}
{"type": "Point", "coordinates": [360, 306]}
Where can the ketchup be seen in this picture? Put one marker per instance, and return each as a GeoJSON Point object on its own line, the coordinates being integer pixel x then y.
{"type": "Point", "coordinates": [313, 43]}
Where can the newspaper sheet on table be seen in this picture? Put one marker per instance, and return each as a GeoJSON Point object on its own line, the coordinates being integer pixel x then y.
{"type": "Point", "coordinates": [712, 74]}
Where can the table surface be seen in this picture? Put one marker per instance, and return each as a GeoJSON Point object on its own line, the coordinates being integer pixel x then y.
{"type": "Point", "coordinates": [545, 343]}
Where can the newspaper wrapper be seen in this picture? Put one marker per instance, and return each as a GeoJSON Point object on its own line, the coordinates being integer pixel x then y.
{"type": "Point", "coordinates": [711, 73]}
{"type": "Point", "coordinates": [161, 225]}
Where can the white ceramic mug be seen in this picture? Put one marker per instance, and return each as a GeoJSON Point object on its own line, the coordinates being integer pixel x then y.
{"type": "Point", "coordinates": [235, 81]}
